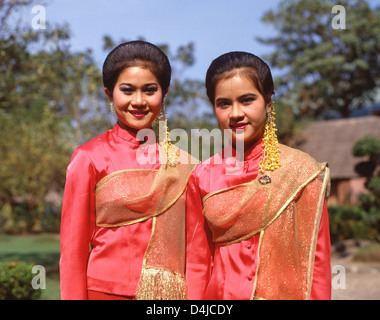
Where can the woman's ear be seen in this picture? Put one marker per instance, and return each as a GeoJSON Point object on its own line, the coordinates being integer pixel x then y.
{"type": "Point", "coordinates": [269, 105]}
{"type": "Point", "coordinates": [108, 93]}
{"type": "Point", "coordinates": [164, 93]}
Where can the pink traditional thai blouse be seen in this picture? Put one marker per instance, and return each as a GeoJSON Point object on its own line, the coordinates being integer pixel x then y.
{"type": "Point", "coordinates": [95, 258]}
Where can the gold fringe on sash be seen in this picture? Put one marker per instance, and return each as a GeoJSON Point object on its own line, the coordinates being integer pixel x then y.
{"type": "Point", "coordinates": [161, 284]}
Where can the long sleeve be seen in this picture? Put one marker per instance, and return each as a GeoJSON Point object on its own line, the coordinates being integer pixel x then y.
{"type": "Point", "coordinates": [321, 287]}
{"type": "Point", "coordinates": [77, 226]}
{"type": "Point", "coordinates": [199, 248]}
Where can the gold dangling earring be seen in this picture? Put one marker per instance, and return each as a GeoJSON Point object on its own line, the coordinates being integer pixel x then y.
{"type": "Point", "coordinates": [112, 110]}
{"type": "Point", "coordinates": [270, 159]}
{"type": "Point", "coordinates": [163, 134]}
{"type": "Point", "coordinates": [162, 115]}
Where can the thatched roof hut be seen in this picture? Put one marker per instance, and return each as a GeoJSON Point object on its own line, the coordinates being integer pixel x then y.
{"type": "Point", "coordinates": [333, 141]}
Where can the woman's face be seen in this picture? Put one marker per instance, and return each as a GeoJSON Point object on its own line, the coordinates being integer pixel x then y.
{"type": "Point", "coordinates": [239, 105]}
{"type": "Point", "coordinates": [137, 97]}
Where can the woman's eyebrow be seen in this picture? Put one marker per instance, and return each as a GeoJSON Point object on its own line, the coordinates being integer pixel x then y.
{"type": "Point", "coordinates": [247, 95]}
{"type": "Point", "coordinates": [131, 85]}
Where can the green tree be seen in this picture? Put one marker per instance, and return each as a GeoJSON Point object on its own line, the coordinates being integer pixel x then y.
{"type": "Point", "coordinates": [49, 103]}
{"type": "Point", "coordinates": [35, 154]}
{"type": "Point", "coordinates": [325, 68]}
{"type": "Point", "coordinates": [39, 65]}
{"type": "Point", "coordinates": [369, 146]}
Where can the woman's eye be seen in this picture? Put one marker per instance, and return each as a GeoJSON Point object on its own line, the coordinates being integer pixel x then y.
{"type": "Point", "coordinates": [248, 101]}
{"type": "Point", "coordinates": [127, 90]}
{"type": "Point", "coordinates": [222, 105]}
{"type": "Point", "coordinates": [151, 90]}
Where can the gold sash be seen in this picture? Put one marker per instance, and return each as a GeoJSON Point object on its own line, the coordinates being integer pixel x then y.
{"type": "Point", "coordinates": [131, 196]}
{"type": "Point", "coordinates": [286, 212]}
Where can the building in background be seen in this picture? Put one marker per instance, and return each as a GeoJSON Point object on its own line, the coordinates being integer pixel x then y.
{"type": "Point", "coordinates": [333, 141]}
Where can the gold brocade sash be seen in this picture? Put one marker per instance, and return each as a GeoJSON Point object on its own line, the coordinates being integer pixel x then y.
{"type": "Point", "coordinates": [286, 212]}
{"type": "Point", "coordinates": [131, 196]}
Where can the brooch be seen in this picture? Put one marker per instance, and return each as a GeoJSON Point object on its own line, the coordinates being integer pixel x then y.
{"type": "Point", "coordinates": [265, 180]}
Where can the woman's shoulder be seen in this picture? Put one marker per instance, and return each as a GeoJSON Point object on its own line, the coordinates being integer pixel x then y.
{"type": "Point", "coordinates": [86, 151]}
{"type": "Point", "coordinates": [94, 143]}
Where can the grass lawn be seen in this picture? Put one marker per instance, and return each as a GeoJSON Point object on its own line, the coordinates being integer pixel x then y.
{"type": "Point", "coordinates": [40, 249]}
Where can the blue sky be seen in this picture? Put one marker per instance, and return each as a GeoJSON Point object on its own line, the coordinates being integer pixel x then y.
{"type": "Point", "coordinates": [215, 26]}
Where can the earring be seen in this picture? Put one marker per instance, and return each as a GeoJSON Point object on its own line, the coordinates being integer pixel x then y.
{"type": "Point", "coordinates": [162, 115]}
{"type": "Point", "coordinates": [270, 159]}
{"type": "Point", "coordinates": [112, 110]}
{"type": "Point", "coordinates": [164, 140]}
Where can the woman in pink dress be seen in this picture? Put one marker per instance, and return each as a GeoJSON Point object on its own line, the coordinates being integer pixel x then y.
{"type": "Point", "coordinates": [257, 221]}
{"type": "Point", "coordinates": [123, 214]}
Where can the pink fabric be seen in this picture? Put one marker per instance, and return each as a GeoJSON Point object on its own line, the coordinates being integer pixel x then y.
{"type": "Point", "coordinates": [95, 295]}
{"type": "Point", "coordinates": [228, 272]}
{"type": "Point", "coordinates": [114, 263]}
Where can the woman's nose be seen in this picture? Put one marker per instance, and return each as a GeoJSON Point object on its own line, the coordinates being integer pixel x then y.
{"type": "Point", "coordinates": [236, 111]}
{"type": "Point", "coordinates": [138, 100]}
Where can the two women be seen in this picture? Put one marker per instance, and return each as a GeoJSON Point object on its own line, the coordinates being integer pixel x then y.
{"type": "Point", "coordinates": [251, 233]}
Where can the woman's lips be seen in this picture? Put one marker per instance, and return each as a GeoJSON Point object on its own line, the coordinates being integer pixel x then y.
{"type": "Point", "coordinates": [239, 126]}
{"type": "Point", "coordinates": [138, 114]}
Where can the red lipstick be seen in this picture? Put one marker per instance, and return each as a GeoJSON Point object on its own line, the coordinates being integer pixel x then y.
{"type": "Point", "coordinates": [138, 114]}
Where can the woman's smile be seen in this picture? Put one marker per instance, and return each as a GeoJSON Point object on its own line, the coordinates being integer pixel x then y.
{"type": "Point", "coordinates": [138, 113]}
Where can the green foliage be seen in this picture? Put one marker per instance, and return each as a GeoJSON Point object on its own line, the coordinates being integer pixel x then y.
{"type": "Point", "coordinates": [42, 249]}
{"type": "Point", "coordinates": [370, 202]}
{"type": "Point", "coordinates": [367, 146]}
{"type": "Point", "coordinates": [324, 68]}
{"type": "Point", "coordinates": [373, 185]}
{"type": "Point", "coordinates": [48, 102]}
{"type": "Point", "coordinates": [370, 146]}
{"type": "Point", "coordinates": [353, 223]}
{"type": "Point", "coordinates": [16, 281]}
{"type": "Point", "coordinates": [38, 66]}
{"type": "Point", "coordinates": [35, 156]}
